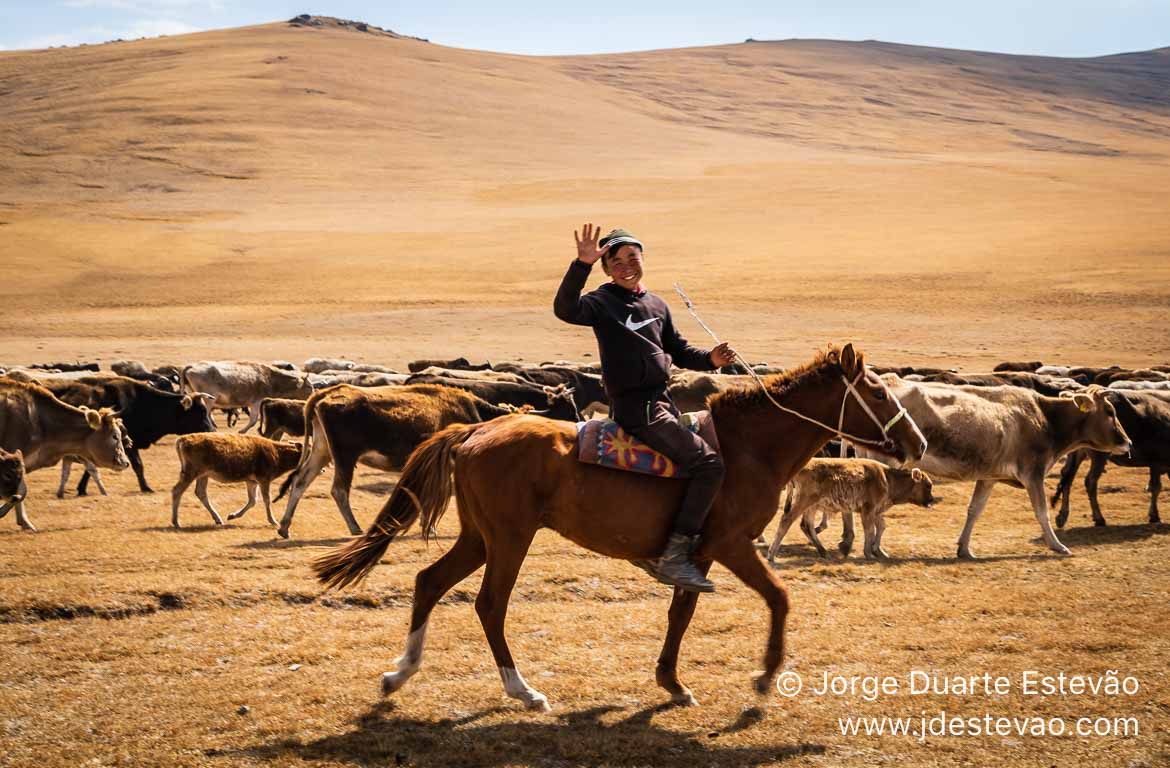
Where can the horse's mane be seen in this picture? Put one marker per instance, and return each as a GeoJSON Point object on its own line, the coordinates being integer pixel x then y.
{"type": "Point", "coordinates": [822, 368]}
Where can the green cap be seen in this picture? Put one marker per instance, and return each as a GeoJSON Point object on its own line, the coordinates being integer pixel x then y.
{"type": "Point", "coordinates": [619, 237]}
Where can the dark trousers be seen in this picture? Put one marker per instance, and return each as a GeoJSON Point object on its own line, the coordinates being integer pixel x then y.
{"type": "Point", "coordinates": [664, 433]}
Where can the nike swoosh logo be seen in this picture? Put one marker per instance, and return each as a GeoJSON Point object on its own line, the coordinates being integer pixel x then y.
{"type": "Point", "coordinates": [640, 324]}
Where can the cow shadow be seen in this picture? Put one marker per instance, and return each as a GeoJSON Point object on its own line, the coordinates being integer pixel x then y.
{"type": "Point", "coordinates": [279, 543]}
{"type": "Point", "coordinates": [188, 528]}
{"type": "Point", "coordinates": [580, 738]}
{"type": "Point", "coordinates": [1111, 534]}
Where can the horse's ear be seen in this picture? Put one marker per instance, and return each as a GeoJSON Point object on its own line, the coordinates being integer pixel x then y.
{"type": "Point", "coordinates": [850, 360]}
{"type": "Point", "coordinates": [832, 354]}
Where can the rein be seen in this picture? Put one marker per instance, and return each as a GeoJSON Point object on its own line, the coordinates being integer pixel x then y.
{"type": "Point", "coordinates": [850, 389]}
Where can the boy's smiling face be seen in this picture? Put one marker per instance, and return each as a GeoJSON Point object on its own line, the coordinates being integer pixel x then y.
{"type": "Point", "coordinates": [624, 265]}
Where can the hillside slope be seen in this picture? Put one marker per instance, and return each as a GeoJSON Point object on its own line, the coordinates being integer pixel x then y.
{"type": "Point", "coordinates": [290, 187]}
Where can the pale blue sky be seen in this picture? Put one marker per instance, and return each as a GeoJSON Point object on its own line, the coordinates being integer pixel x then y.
{"type": "Point", "coordinates": [1048, 27]}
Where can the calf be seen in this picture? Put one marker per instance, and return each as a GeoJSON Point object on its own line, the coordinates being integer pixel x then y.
{"type": "Point", "coordinates": [845, 485]}
{"type": "Point", "coordinates": [280, 416]}
{"type": "Point", "coordinates": [231, 458]}
{"type": "Point", "coordinates": [1145, 416]}
{"type": "Point", "coordinates": [12, 485]}
{"type": "Point", "coordinates": [1005, 434]}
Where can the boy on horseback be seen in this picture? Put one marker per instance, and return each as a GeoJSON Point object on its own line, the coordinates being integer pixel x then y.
{"type": "Point", "coordinates": [638, 341]}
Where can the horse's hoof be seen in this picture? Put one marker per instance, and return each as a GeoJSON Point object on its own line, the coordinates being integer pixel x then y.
{"type": "Point", "coordinates": [282, 533]}
{"type": "Point", "coordinates": [61, 494]}
{"type": "Point", "coordinates": [535, 701]}
{"type": "Point", "coordinates": [392, 681]}
{"type": "Point", "coordinates": [684, 699]}
{"type": "Point", "coordinates": [1062, 550]}
{"type": "Point", "coordinates": [1100, 523]}
{"type": "Point", "coordinates": [762, 684]}
{"type": "Point", "coordinates": [965, 554]}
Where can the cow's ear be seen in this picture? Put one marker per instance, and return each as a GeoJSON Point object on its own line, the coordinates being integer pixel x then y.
{"type": "Point", "coordinates": [187, 402]}
{"type": "Point", "coordinates": [93, 419]}
{"type": "Point", "coordinates": [849, 360]}
{"type": "Point", "coordinates": [1084, 402]}
{"type": "Point", "coordinates": [916, 475]}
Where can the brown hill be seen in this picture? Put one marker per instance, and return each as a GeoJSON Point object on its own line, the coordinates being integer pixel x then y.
{"type": "Point", "coordinates": [289, 189]}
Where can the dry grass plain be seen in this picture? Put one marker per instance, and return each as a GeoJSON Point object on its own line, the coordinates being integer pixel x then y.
{"type": "Point", "coordinates": [279, 192]}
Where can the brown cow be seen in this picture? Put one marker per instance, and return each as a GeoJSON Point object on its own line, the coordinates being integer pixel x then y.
{"type": "Point", "coordinates": [377, 426]}
{"type": "Point", "coordinates": [46, 430]}
{"type": "Point", "coordinates": [280, 416]}
{"type": "Point", "coordinates": [231, 458]}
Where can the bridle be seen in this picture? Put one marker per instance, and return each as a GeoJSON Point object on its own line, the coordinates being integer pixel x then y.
{"type": "Point", "coordinates": [885, 444]}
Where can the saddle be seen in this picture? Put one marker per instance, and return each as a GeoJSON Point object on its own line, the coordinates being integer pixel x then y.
{"type": "Point", "coordinates": [605, 443]}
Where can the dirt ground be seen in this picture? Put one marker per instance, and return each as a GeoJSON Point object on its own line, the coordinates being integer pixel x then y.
{"type": "Point", "coordinates": [281, 193]}
{"type": "Point", "coordinates": [132, 643]}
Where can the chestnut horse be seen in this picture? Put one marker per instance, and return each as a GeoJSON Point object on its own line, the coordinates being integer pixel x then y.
{"type": "Point", "coordinates": [517, 474]}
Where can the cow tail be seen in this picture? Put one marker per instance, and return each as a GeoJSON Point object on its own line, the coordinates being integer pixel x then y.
{"type": "Point", "coordinates": [421, 494]}
{"type": "Point", "coordinates": [310, 409]}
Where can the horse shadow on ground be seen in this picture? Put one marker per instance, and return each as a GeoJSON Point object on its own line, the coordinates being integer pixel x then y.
{"type": "Point", "coordinates": [580, 738]}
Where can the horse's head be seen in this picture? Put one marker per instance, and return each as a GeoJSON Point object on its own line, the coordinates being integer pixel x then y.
{"type": "Point", "coordinates": [872, 413]}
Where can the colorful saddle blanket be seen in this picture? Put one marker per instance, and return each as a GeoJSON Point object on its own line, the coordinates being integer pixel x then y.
{"type": "Point", "coordinates": [602, 441]}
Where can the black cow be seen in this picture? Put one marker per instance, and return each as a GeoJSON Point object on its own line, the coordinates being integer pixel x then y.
{"type": "Point", "coordinates": [558, 400]}
{"type": "Point", "coordinates": [458, 364]}
{"type": "Point", "coordinates": [1045, 385]}
{"type": "Point", "coordinates": [147, 413]}
{"type": "Point", "coordinates": [65, 367]}
{"type": "Point", "coordinates": [1145, 416]}
{"type": "Point", "coordinates": [587, 388]}
{"type": "Point", "coordinates": [1028, 367]}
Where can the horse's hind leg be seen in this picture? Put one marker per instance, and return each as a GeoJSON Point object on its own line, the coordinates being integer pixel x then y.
{"type": "Point", "coordinates": [505, 554]}
{"type": "Point", "coordinates": [749, 568]}
{"type": "Point", "coordinates": [682, 609]}
{"type": "Point", "coordinates": [432, 582]}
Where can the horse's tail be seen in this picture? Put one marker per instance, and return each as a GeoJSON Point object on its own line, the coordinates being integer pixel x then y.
{"type": "Point", "coordinates": [422, 492]}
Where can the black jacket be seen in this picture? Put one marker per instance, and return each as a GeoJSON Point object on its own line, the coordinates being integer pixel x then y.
{"type": "Point", "coordinates": [636, 337]}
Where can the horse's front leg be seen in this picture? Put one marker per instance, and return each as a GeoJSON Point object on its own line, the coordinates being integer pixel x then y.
{"type": "Point", "coordinates": [742, 560]}
{"type": "Point", "coordinates": [505, 555]}
{"type": "Point", "coordinates": [682, 609]}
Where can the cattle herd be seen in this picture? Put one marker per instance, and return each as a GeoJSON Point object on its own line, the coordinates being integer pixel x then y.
{"type": "Point", "coordinates": [1011, 425]}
